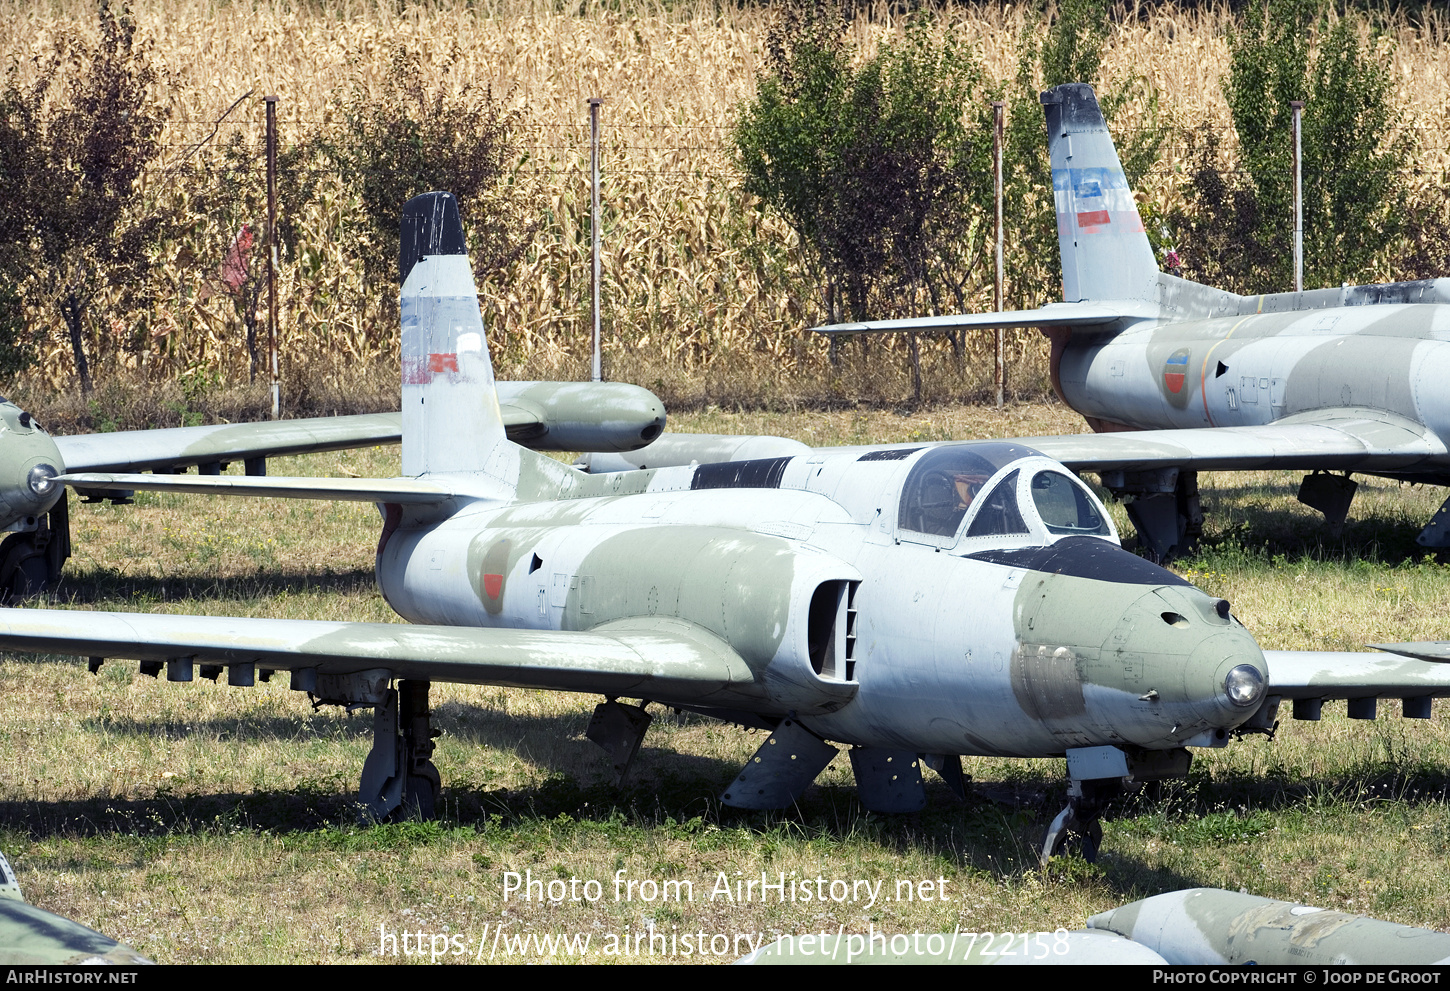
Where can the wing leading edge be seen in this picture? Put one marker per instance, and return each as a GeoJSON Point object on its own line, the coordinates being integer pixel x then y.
{"type": "Point", "coordinates": [1400, 673]}
{"type": "Point", "coordinates": [179, 447]}
{"type": "Point", "coordinates": [1340, 439]}
{"type": "Point", "coordinates": [1071, 315]}
{"type": "Point", "coordinates": [666, 660]}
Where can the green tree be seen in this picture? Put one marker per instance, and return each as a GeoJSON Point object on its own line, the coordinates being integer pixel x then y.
{"type": "Point", "coordinates": [411, 136]}
{"type": "Point", "coordinates": [73, 145]}
{"type": "Point", "coordinates": [880, 165]}
{"type": "Point", "coordinates": [1355, 200]}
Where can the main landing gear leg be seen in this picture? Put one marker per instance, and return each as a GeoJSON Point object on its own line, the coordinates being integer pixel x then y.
{"type": "Point", "coordinates": [399, 780]}
{"type": "Point", "coordinates": [1164, 506]}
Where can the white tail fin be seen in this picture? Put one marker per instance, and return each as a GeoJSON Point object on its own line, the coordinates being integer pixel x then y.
{"type": "Point", "coordinates": [1105, 252]}
{"type": "Point", "coordinates": [451, 418]}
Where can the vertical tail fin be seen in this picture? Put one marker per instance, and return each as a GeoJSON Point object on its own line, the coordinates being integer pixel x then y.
{"type": "Point", "coordinates": [1105, 253]}
{"type": "Point", "coordinates": [451, 418]}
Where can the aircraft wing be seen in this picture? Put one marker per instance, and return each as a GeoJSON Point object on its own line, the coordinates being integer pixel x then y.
{"type": "Point", "coordinates": [1052, 315]}
{"type": "Point", "coordinates": [403, 491]}
{"type": "Point", "coordinates": [545, 416]}
{"type": "Point", "coordinates": [1348, 439]}
{"type": "Point", "coordinates": [180, 447]}
{"type": "Point", "coordinates": [1399, 673]}
{"type": "Point", "coordinates": [667, 660]}
{"type": "Point", "coordinates": [1341, 439]}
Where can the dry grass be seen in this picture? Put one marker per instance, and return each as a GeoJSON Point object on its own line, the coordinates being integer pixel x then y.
{"type": "Point", "coordinates": [204, 823]}
{"type": "Point", "coordinates": [704, 302]}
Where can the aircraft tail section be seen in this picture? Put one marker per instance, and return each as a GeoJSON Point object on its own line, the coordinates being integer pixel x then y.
{"type": "Point", "coordinates": [451, 417]}
{"type": "Point", "coordinates": [1105, 252]}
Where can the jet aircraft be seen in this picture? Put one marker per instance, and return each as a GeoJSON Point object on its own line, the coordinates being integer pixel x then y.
{"type": "Point", "coordinates": [546, 416]}
{"type": "Point", "coordinates": [914, 605]}
{"type": "Point", "coordinates": [1177, 377]}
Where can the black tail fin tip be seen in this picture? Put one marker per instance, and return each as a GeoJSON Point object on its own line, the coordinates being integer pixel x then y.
{"type": "Point", "coordinates": [1072, 107]}
{"type": "Point", "coordinates": [431, 226]}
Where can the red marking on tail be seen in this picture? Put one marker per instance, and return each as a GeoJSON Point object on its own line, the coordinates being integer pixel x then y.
{"type": "Point", "coordinates": [443, 362]}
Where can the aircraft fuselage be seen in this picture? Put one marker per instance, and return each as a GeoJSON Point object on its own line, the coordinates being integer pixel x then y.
{"type": "Point", "coordinates": [869, 633]}
{"type": "Point", "coordinates": [1250, 370]}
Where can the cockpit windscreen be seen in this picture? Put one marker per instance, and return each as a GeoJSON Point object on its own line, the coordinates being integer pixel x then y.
{"type": "Point", "coordinates": [1064, 505]}
{"type": "Point", "coordinates": [945, 482]}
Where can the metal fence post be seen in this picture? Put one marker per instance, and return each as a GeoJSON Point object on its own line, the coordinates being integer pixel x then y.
{"type": "Point", "coordinates": [597, 368]}
{"type": "Point", "coordinates": [1297, 107]}
{"type": "Point", "coordinates": [271, 102]}
{"type": "Point", "coordinates": [998, 274]}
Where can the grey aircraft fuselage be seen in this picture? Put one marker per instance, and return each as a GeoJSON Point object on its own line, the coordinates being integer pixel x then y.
{"type": "Point", "coordinates": [1025, 643]}
{"type": "Point", "coordinates": [1262, 359]}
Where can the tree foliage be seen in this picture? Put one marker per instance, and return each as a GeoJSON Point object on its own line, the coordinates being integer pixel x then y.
{"type": "Point", "coordinates": [1355, 200]}
{"type": "Point", "coordinates": [414, 135]}
{"type": "Point", "coordinates": [73, 145]}
{"type": "Point", "coordinates": [230, 191]}
{"type": "Point", "coordinates": [881, 165]}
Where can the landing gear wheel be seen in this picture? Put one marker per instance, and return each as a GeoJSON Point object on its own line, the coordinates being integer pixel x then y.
{"type": "Point", "coordinates": [24, 569]}
{"type": "Point", "coordinates": [1068, 831]}
{"type": "Point", "coordinates": [420, 793]}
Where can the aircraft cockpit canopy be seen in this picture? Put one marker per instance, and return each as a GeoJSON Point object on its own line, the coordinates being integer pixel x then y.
{"type": "Point", "coordinates": [951, 486]}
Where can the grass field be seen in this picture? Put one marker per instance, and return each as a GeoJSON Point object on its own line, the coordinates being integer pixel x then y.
{"type": "Point", "coordinates": [204, 823]}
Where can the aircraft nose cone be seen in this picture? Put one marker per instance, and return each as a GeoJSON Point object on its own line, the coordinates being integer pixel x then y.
{"type": "Point", "coordinates": [29, 487]}
{"type": "Point", "coordinates": [1223, 672]}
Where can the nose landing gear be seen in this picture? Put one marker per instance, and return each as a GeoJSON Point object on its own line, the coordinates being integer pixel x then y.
{"type": "Point", "coordinates": [1097, 776]}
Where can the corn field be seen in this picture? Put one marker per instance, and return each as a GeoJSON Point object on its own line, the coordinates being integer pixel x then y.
{"type": "Point", "coordinates": [706, 298]}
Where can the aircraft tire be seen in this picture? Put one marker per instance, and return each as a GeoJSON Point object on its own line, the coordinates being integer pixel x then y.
{"type": "Point", "coordinates": [24, 570]}
{"type": "Point", "coordinates": [420, 799]}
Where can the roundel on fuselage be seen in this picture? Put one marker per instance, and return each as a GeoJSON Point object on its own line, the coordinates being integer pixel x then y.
{"type": "Point", "coordinates": [1176, 386]}
{"type": "Point", "coordinates": [492, 575]}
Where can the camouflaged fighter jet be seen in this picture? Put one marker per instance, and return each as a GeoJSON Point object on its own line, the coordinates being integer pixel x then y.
{"type": "Point", "coordinates": [1349, 379]}
{"type": "Point", "coordinates": [915, 605]}
{"type": "Point", "coordinates": [546, 416]}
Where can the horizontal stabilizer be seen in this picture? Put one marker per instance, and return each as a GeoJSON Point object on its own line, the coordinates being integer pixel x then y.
{"type": "Point", "coordinates": [674, 450]}
{"type": "Point", "coordinates": [650, 657]}
{"type": "Point", "coordinates": [1052, 315]}
{"type": "Point", "coordinates": [169, 447]}
{"type": "Point", "coordinates": [403, 491]}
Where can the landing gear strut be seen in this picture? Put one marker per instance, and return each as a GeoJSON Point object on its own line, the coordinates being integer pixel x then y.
{"type": "Point", "coordinates": [1096, 776]}
{"type": "Point", "coordinates": [399, 780]}
{"type": "Point", "coordinates": [30, 560]}
{"type": "Point", "coordinates": [1078, 825]}
{"type": "Point", "coordinates": [1164, 506]}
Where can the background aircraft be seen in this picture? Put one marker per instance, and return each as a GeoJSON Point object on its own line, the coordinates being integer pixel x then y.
{"type": "Point", "coordinates": [916, 605]}
{"type": "Point", "coordinates": [546, 416]}
{"type": "Point", "coordinates": [31, 936]}
{"type": "Point", "coordinates": [1178, 378]}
